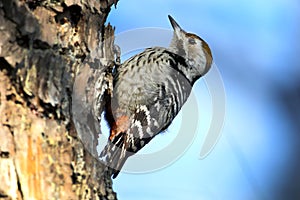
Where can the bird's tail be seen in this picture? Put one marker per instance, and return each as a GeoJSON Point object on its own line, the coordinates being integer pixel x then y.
{"type": "Point", "coordinates": [114, 154]}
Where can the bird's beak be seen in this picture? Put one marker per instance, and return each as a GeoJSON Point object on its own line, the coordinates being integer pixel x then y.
{"type": "Point", "coordinates": [174, 24]}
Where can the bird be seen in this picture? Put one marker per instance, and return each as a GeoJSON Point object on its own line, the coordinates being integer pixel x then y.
{"type": "Point", "coordinates": [149, 90]}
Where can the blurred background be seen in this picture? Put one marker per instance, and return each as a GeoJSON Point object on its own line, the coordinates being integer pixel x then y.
{"type": "Point", "coordinates": [256, 48]}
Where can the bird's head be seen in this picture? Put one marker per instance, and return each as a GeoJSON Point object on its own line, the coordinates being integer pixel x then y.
{"type": "Point", "coordinates": [193, 49]}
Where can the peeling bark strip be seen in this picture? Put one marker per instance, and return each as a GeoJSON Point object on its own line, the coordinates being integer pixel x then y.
{"type": "Point", "coordinates": [43, 43]}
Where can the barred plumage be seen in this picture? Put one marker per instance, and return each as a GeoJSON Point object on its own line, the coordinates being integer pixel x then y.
{"type": "Point", "coordinates": [149, 90]}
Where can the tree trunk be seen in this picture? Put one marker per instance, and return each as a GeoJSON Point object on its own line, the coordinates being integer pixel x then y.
{"type": "Point", "coordinates": [43, 46]}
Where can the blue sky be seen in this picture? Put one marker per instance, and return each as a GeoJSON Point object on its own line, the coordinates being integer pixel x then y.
{"type": "Point", "coordinates": [255, 46]}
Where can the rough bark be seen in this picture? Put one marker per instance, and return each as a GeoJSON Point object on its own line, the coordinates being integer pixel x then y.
{"type": "Point", "coordinates": [43, 45]}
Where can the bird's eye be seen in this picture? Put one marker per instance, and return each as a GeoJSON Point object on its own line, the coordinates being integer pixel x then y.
{"type": "Point", "coordinates": [192, 41]}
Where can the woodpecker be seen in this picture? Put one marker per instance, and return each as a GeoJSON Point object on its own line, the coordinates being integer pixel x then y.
{"type": "Point", "coordinates": [149, 90]}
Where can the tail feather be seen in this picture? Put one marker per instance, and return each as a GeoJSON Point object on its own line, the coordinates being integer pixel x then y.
{"type": "Point", "coordinates": [115, 155]}
{"type": "Point", "coordinates": [120, 162]}
{"type": "Point", "coordinates": [119, 148]}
